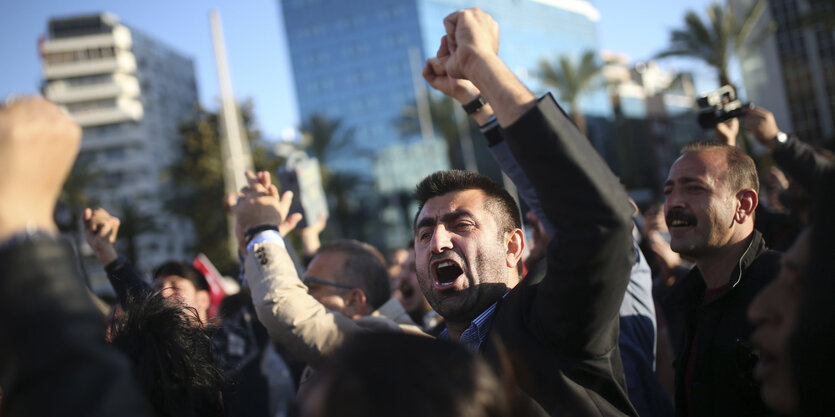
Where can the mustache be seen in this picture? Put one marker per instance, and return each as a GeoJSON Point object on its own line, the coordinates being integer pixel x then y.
{"type": "Point", "coordinates": [674, 215]}
{"type": "Point", "coordinates": [446, 255]}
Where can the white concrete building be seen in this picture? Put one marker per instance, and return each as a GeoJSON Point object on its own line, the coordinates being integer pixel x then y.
{"type": "Point", "coordinates": [130, 93]}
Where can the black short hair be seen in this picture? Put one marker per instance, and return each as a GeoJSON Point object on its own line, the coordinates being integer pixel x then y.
{"type": "Point", "coordinates": [182, 269]}
{"type": "Point", "coordinates": [172, 356]}
{"type": "Point", "coordinates": [742, 171]}
{"type": "Point", "coordinates": [392, 374]}
{"type": "Point", "coordinates": [499, 201]}
{"type": "Point", "coordinates": [364, 268]}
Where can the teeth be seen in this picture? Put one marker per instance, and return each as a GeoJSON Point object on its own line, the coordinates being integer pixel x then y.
{"type": "Point", "coordinates": [445, 264]}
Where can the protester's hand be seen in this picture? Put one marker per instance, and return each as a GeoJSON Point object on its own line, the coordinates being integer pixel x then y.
{"type": "Point", "coordinates": [284, 203]}
{"type": "Point", "coordinates": [38, 144]}
{"type": "Point", "coordinates": [100, 231]}
{"type": "Point", "coordinates": [290, 221]}
{"type": "Point", "coordinates": [461, 90]}
{"type": "Point", "coordinates": [760, 122]}
{"type": "Point", "coordinates": [257, 205]}
{"type": "Point", "coordinates": [727, 132]}
{"type": "Point", "coordinates": [310, 235]}
{"type": "Point", "coordinates": [471, 36]}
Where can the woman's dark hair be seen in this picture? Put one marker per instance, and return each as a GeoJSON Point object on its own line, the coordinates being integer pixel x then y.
{"type": "Point", "coordinates": [172, 356]}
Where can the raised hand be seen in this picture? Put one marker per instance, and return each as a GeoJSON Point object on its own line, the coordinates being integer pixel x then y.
{"type": "Point", "coordinates": [459, 89]}
{"type": "Point", "coordinates": [257, 205]}
{"type": "Point", "coordinates": [100, 231]}
{"type": "Point", "coordinates": [471, 35]}
{"type": "Point", "coordinates": [727, 132]}
{"type": "Point", "coordinates": [760, 122]}
{"type": "Point", "coordinates": [38, 145]}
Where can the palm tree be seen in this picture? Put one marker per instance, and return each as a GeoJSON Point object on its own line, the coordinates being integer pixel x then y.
{"type": "Point", "coordinates": [133, 224]}
{"type": "Point", "coordinates": [716, 40]}
{"type": "Point", "coordinates": [572, 81]}
{"type": "Point", "coordinates": [442, 112]}
{"type": "Point", "coordinates": [323, 137]}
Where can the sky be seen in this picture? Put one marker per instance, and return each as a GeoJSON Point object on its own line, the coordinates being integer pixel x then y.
{"type": "Point", "coordinates": [257, 50]}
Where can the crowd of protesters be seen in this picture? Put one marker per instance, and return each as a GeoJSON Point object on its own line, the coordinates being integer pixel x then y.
{"type": "Point", "coordinates": [717, 301]}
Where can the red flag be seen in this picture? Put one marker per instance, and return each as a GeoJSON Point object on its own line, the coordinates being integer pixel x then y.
{"type": "Point", "coordinates": [216, 291]}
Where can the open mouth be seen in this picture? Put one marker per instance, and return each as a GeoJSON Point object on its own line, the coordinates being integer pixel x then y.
{"type": "Point", "coordinates": [446, 274]}
{"type": "Point", "coordinates": [678, 219]}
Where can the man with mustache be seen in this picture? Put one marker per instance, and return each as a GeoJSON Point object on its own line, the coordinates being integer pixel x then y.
{"type": "Point", "coordinates": [711, 195]}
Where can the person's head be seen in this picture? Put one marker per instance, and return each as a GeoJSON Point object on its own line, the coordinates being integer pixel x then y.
{"type": "Point", "coordinates": [774, 313]}
{"type": "Point", "coordinates": [711, 195]}
{"type": "Point", "coordinates": [349, 277]}
{"type": "Point", "coordinates": [410, 294]}
{"type": "Point", "coordinates": [172, 356]}
{"type": "Point", "coordinates": [181, 281]}
{"type": "Point", "coordinates": [395, 374]}
{"type": "Point", "coordinates": [468, 241]}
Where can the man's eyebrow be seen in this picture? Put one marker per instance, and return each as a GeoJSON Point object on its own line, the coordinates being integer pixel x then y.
{"type": "Point", "coordinates": [684, 180]}
{"type": "Point", "coordinates": [446, 218]}
{"type": "Point", "coordinates": [424, 222]}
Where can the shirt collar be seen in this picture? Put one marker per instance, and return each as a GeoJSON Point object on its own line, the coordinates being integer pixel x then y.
{"type": "Point", "coordinates": [475, 334]}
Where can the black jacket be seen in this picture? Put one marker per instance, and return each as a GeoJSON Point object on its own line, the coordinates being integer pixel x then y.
{"type": "Point", "coordinates": [53, 357]}
{"type": "Point", "coordinates": [561, 334]}
{"type": "Point", "coordinates": [722, 383]}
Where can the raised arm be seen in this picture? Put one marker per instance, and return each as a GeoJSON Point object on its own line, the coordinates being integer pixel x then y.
{"type": "Point", "coordinates": [589, 264]}
{"type": "Point", "coordinates": [292, 316]}
{"type": "Point", "coordinates": [793, 156]}
{"type": "Point", "coordinates": [100, 231]}
{"type": "Point", "coordinates": [54, 360]}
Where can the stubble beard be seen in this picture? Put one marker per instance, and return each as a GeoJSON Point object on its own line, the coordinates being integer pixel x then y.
{"type": "Point", "coordinates": [473, 300]}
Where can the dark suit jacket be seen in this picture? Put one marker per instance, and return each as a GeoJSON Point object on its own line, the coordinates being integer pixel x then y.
{"type": "Point", "coordinates": [561, 334]}
{"type": "Point", "coordinates": [54, 360]}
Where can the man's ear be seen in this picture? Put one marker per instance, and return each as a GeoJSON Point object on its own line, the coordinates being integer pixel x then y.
{"type": "Point", "coordinates": [356, 304]}
{"type": "Point", "coordinates": [515, 243]}
{"type": "Point", "coordinates": [748, 201]}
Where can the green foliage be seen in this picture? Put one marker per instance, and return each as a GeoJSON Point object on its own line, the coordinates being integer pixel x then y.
{"type": "Point", "coordinates": [198, 179]}
{"type": "Point", "coordinates": [442, 111]}
{"type": "Point", "coordinates": [133, 224]}
{"type": "Point", "coordinates": [724, 33]}
{"type": "Point", "coordinates": [572, 80]}
{"type": "Point", "coordinates": [74, 198]}
{"type": "Point", "coordinates": [323, 138]}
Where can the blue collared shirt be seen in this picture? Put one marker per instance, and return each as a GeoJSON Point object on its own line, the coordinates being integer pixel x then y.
{"type": "Point", "coordinates": [475, 334]}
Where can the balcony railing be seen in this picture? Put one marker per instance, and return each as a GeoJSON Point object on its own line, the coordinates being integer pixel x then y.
{"type": "Point", "coordinates": [102, 112]}
{"type": "Point", "coordinates": [92, 88]}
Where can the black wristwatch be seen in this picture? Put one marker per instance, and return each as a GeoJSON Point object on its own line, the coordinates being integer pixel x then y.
{"type": "Point", "coordinates": [475, 105]}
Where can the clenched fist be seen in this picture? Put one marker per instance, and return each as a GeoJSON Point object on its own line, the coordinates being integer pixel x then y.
{"type": "Point", "coordinates": [38, 145]}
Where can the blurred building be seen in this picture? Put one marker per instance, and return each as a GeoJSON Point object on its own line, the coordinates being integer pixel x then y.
{"type": "Point", "coordinates": [793, 73]}
{"type": "Point", "coordinates": [351, 61]}
{"type": "Point", "coordinates": [654, 116]}
{"type": "Point", "coordinates": [129, 93]}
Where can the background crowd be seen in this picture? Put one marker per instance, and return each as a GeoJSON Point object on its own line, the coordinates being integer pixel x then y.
{"type": "Point", "coordinates": [716, 301]}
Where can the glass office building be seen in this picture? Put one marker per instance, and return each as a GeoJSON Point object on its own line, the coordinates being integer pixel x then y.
{"type": "Point", "coordinates": [351, 61]}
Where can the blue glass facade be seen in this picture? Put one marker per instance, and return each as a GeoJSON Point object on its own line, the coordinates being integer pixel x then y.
{"type": "Point", "coordinates": [350, 59]}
